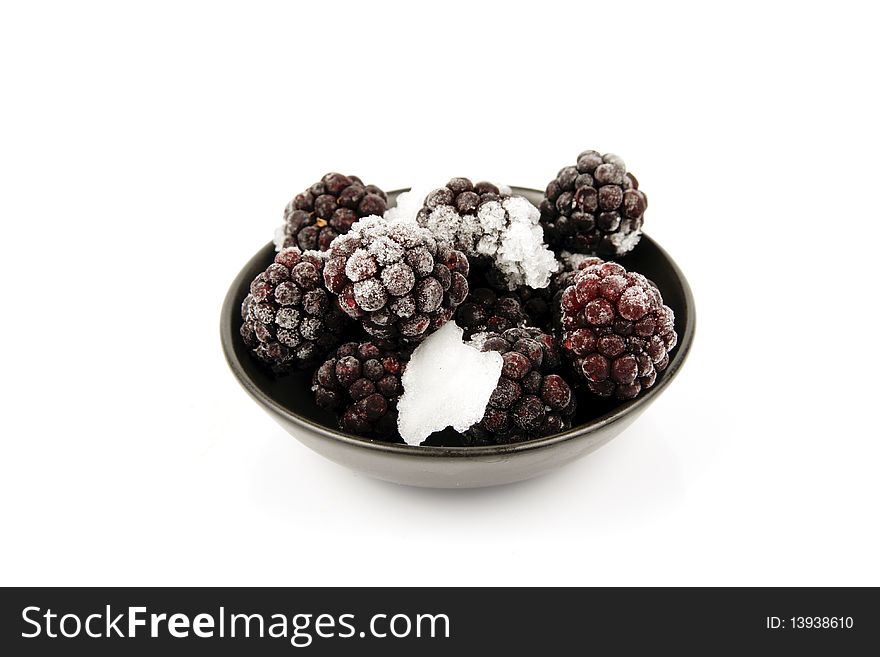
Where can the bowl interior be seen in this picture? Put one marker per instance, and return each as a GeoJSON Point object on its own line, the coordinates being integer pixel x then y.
{"type": "Point", "coordinates": [293, 392]}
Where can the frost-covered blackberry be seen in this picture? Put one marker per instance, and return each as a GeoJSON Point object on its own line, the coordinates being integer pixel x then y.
{"type": "Point", "coordinates": [395, 278]}
{"type": "Point", "coordinates": [289, 320]}
{"type": "Point", "coordinates": [503, 229]}
{"type": "Point", "coordinates": [570, 265]}
{"type": "Point", "coordinates": [617, 331]}
{"type": "Point", "coordinates": [314, 218]}
{"type": "Point", "coordinates": [595, 207]}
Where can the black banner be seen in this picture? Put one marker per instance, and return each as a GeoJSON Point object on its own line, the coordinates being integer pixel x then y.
{"type": "Point", "coordinates": [114, 621]}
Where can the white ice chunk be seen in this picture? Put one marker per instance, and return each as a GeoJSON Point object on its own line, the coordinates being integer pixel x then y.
{"type": "Point", "coordinates": [513, 238]}
{"type": "Point", "coordinates": [625, 242]}
{"type": "Point", "coordinates": [447, 382]}
{"type": "Point", "coordinates": [409, 203]}
{"type": "Point", "coordinates": [573, 261]}
{"type": "Point", "coordinates": [280, 237]}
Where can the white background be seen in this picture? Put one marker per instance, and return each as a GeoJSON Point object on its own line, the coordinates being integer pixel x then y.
{"type": "Point", "coordinates": [147, 151]}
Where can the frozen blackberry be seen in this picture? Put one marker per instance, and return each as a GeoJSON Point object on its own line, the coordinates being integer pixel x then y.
{"type": "Point", "coordinates": [594, 207]}
{"type": "Point", "coordinates": [460, 195]}
{"type": "Point", "coordinates": [500, 229]}
{"type": "Point", "coordinates": [361, 384]}
{"type": "Point", "coordinates": [534, 304]}
{"type": "Point", "coordinates": [290, 321]}
{"type": "Point", "coordinates": [396, 279]}
{"type": "Point", "coordinates": [531, 399]}
{"type": "Point", "coordinates": [572, 263]}
{"type": "Point", "coordinates": [313, 219]}
{"type": "Point", "coordinates": [485, 310]}
{"type": "Point", "coordinates": [616, 330]}
{"type": "Point", "coordinates": [451, 212]}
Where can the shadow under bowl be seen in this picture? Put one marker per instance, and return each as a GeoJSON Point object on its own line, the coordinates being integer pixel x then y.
{"type": "Point", "coordinates": [440, 463]}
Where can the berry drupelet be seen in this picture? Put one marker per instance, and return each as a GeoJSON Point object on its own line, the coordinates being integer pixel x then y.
{"type": "Point", "coordinates": [616, 331]}
{"type": "Point", "coordinates": [594, 207]}
{"type": "Point", "coordinates": [530, 400]}
{"type": "Point", "coordinates": [289, 320]}
{"type": "Point", "coordinates": [396, 279]}
{"type": "Point", "coordinates": [314, 218]}
{"type": "Point", "coordinates": [361, 383]}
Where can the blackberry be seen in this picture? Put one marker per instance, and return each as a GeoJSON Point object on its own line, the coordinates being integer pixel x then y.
{"type": "Point", "coordinates": [290, 321]}
{"type": "Point", "coordinates": [531, 400]}
{"type": "Point", "coordinates": [492, 228]}
{"type": "Point", "coordinates": [484, 310]}
{"type": "Point", "coordinates": [396, 279]}
{"type": "Point", "coordinates": [535, 303]}
{"type": "Point", "coordinates": [463, 195]}
{"type": "Point", "coordinates": [594, 207]}
{"type": "Point", "coordinates": [616, 330]}
{"type": "Point", "coordinates": [572, 263]}
{"type": "Point", "coordinates": [361, 384]}
{"type": "Point", "coordinates": [314, 218]}
{"type": "Point", "coordinates": [451, 211]}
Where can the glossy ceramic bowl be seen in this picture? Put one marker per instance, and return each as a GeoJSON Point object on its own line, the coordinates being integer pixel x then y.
{"type": "Point", "coordinates": [442, 464]}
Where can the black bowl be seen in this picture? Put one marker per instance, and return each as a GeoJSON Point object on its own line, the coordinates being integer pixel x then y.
{"type": "Point", "coordinates": [443, 463]}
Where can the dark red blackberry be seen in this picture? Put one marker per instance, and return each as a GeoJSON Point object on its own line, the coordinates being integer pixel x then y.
{"type": "Point", "coordinates": [572, 263]}
{"type": "Point", "coordinates": [328, 208]}
{"type": "Point", "coordinates": [361, 384]}
{"type": "Point", "coordinates": [594, 207]}
{"type": "Point", "coordinates": [616, 330]}
{"type": "Point", "coordinates": [530, 400]}
{"type": "Point", "coordinates": [396, 279]}
{"type": "Point", "coordinates": [290, 321]}
{"type": "Point", "coordinates": [485, 310]}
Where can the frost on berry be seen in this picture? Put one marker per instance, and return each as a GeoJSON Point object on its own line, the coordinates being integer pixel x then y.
{"type": "Point", "coordinates": [360, 265]}
{"type": "Point", "coordinates": [503, 229]}
{"type": "Point", "coordinates": [429, 295]}
{"type": "Point", "coordinates": [287, 320]}
{"type": "Point", "coordinates": [396, 278]}
{"type": "Point", "coordinates": [370, 294]}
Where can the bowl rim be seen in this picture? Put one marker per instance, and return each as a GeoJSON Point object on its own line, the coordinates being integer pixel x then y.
{"type": "Point", "coordinates": [231, 305]}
